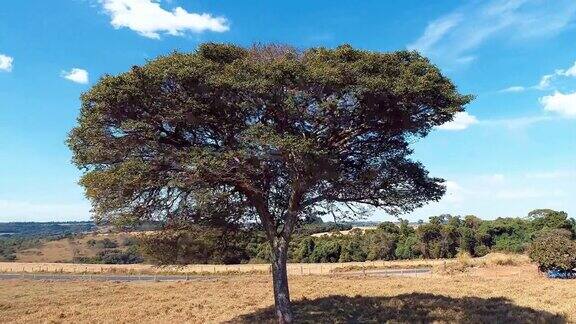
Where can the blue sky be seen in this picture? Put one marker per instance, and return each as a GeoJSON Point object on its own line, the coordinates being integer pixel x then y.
{"type": "Point", "coordinates": [514, 149]}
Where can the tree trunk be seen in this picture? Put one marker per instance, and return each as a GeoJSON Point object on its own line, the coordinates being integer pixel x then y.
{"type": "Point", "coordinates": [280, 281]}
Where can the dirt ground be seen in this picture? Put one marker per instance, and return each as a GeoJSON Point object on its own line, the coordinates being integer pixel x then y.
{"type": "Point", "coordinates": [492, 294]}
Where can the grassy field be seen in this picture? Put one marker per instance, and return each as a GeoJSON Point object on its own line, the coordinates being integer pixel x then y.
{"type": "Point", "coordinates": [448, 265]}
{"type": "Point", "coordinates": [515, 294]}
{"type": "Point", "coordinates": [293, 269]}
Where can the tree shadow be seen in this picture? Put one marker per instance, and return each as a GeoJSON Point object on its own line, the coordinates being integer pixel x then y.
{"type": "Point", "coordinates": [415, 307]}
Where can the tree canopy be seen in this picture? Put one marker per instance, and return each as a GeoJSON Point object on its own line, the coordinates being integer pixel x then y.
{"type": "Point", "coordinates": [554, 250]}
{"type": "Point", "coordinates": [229, 124]}
{"type": "Point", "coordinates": [229, 133]}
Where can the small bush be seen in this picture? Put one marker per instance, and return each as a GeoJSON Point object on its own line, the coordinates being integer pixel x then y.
{"type": "Point", "coordinates": [481, 250]}
{"type": "Point", "coordinates": [554, 251]}
{"type": "Point", "coordinates": [130, 241]}
{"type": "Point", "coordinates": [120, 257]}
{"type": "Point", "coordinates": [102, 244]}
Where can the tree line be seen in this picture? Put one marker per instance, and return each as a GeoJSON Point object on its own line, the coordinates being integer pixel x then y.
{"type": "Point", "coordinates": [442, 236]}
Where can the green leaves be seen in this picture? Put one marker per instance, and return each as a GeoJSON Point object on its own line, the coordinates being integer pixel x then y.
{"type": "Point", "coordinates": [279, 130]}
{"type": "Point", "coordinates": [554, 251]}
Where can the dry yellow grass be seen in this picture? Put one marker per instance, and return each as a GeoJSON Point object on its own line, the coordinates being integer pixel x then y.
{"type": "Point", "coordinates": [491, 294]}
{"type": "Point", "coordinates": [293, 268]}
{"type": "Point", "coordinates": [440, 266]}
{"type": "Point", "coordinates": [65, 250]}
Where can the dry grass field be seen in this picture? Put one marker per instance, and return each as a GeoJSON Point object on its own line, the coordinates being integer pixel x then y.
{"type": "Point", "coordinates": [440, 266]}
{"type": "Point", "coordinates": [489, 294]}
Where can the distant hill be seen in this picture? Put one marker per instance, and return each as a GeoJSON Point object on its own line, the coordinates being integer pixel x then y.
{"type": "Point", "coordinates": [21, 229]}
{"type": "Point", "coordinates": [83, 242]}
{"type": "Point", "coordinates": [82, 248]}
{"type": "Point", "coordinates": [50, 229]}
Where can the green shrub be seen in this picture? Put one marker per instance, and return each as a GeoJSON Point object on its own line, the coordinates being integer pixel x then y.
{"type": "Point", "coordinates": [481, 250]}
{"type": "Point", "coordinates": [326, 251]}
{"type": "Point", "coordinates": [554, 251]}
{"type": "Point", "coordinates": [102, 244]}
{"type": "Point", "coordinates": [130, 241]}
{"type": "Point", "coordinates": [407, 248]}
{"type": "Point", "coordinates": [129, 256]}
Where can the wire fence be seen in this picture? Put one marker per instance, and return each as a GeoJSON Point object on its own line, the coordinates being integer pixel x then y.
{"type": "Point", "coordinates": [54, 276]}
{"type": "Point", "coordinates": [146, 269]}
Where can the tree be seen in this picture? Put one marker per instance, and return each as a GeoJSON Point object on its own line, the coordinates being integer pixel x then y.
{"type": "Point", "coordinates": [407, 246]}
{"type": "Point", "coordinates": [195, 244]}
{"type": "Point", "coordinates": [554, 251]}
{"type": "Point", "coordinates": [430, 236]}
{"type": "Point", "coordinates": [305, 249]}
{"type": "Point", "coordinates": [388, 227]}
{"type": "Point", "coordinates": [267, 131]}
{"type": "Point", "coordinates": [353, 249]}
{"type": "Point", "coordinates": [543, 219]}
{"type": "Point", "coordinates": [382, 245]}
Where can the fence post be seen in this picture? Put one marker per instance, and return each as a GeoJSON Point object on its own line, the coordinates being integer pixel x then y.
{"type": "Point", "coordinates": [301, 270]}
{"type": "Point", "coordinates": [364, 271]}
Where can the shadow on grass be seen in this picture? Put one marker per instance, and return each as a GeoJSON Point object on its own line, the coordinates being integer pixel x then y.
{"type": "Point", "coordinates": [410, 308]}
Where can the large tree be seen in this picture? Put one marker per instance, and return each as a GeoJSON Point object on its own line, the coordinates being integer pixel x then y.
{"type": "Point", "coordinates": [227, 133]}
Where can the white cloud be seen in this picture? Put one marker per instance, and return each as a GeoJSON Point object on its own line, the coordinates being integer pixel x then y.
{"type": "Point", "coordinates": [76, 75]}
{"type": "Point", "coordinates": [148, 19]}
{"type": "Point", "coordinates": [552, 175]}
{"type": "Point", "coordinates": [452, 37]}
{"type": "Point", "coordinates": [516, 123]}
{"type": "Point", "coordinates": [513, 89]}
{"type": "Point", "coordinates": [504, 194]}
{"type": "Point", "coordinates": [527, 193]}
{"type": "Point", "coordinates": [563, 104]}
{"type": "Point", "coordinates": [461, 121]}
{"type": "Point", "coordinates": [453, 192]}
{"type": "Point", "coordinates": [571, 71]}
{"type": "Point", "coordinates": [496, 178]}
{"type": "Point", "coordinates": [435, 31]}
{"type": "Point", "coordinates": [546, 80]}
{"type": "Point", "coordinates": [6, 63]}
